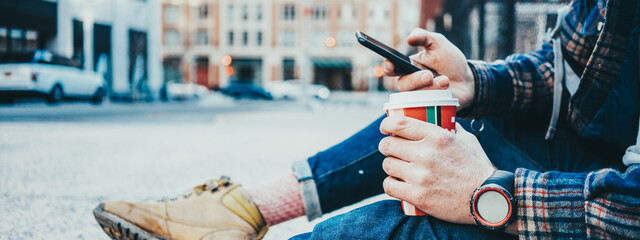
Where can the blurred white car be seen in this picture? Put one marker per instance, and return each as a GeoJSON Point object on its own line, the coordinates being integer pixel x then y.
{"type": "Point", "coordinates": [293, 89]}
{"type": "Point", "coordinates": [185, 91]}
{"type": "Point", "coordinates": [42, 73]}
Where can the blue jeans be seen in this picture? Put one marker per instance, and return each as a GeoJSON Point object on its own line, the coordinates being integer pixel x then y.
{"type": "Point", "coordinates": [352, 171]}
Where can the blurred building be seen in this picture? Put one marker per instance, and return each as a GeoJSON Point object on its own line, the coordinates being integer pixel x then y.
{"type": "Point", "coordinates": [216, 42]}
{"type": "Point", "coordinates": [27, 25]}
{"type": "Point", "coordinates": [493, 29]}
{"type": "Point", "coordinates": [533, 19]}
{"type": "Point", "coordinates": [119, 38]}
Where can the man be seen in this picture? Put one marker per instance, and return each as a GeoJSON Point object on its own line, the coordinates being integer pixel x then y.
{"type": "Point", "coordinates": [560, 180]}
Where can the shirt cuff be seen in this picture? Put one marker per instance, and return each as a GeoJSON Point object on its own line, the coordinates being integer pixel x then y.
{"type": "Point", "coordinates": [550, 204]}
{"type": "Point", "coordinates": [493, 90]}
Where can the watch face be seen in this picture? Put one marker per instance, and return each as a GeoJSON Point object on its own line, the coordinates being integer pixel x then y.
{"type": "Point", "coordinates": [493, 207]}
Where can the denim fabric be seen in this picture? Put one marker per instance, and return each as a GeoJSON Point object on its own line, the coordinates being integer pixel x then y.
{"type": "Point", "coordinates": [385, 220]}
{"type": "Point", "coordinates": [352, 170]}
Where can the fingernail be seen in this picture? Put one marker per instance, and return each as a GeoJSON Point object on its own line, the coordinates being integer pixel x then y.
{"type": "Point", "coordinates": [439, 81]}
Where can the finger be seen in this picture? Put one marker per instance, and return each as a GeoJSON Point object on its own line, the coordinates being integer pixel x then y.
{"type": "Point", "coordinates": [397, 168]}
{"type": "Point", "coordinates": [418, 80]}
{"type": "Point", "coordinates": [408, 128]}
{"type": "Point", "coordinates": [396, 188]}
{"type": "Point", "coordinates": [425, 60]}
{"type": "Point", "coordinates": [389, 69]}
{"type": "Point", "coordinates": [441, 82]}
{"type": "Point", "coordinates": [415, 61]}
{"type": "Point", "coordinates": [423, 38]}
{"type": "Point", "coordinates": [397, 147]}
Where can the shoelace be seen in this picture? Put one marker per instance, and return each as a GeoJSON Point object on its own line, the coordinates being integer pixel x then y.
{"type": "Point", "coordinates": [211, 186]}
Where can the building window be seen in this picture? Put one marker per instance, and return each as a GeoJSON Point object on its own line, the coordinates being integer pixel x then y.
{"type": "Point", "coordinates": [259, 12]}
{"type": "Point", "coordinates": [289, 12]}
{"type": "Point", "coordinates": [172, 69]}
{"type": "Point", "coordinates": [259, 39]}
{"type": "Point", "coordinates": [32, 40]}
{"type": "Point", "coordinates": [202, 12]}
{"type": "Point", "coordinates": [245, 38]}
{"type": "Point", "coordinates": [319, 37]}
{"type": "Point", "coordinates": [78, 42]}
{"type": "Point", "coordinates": [230, 13]}
{"type": "Point", "coordinates": [320, 13]}
{"type": "Point", "coordinates": [245, 12]}
{"type": "Point", "coordinates": [378, 13]}
{"type": "Point", "coordinates": [230, 40]}
{"type": "Point", "coordinates": [287, 38]}
{"type": "Point", "coordinates": [3, 40]}
{"type": "Point", "coordinates": [202, 37]}
{"type": "Point", "coordinates": [288, 69]}
{"type": "Point", "coordinates": [345, 38]}
{"type": "Point", "coordinates": [347, 13]}
{"type": "Point", "coordinates": [171, 14]}
{"type": "Point", "coordinates": [171, 38]}
{"type": "Point", "coordinates": [17, 40]}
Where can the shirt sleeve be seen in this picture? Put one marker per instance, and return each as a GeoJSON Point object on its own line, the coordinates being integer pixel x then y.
{"type": "Point", "coordinates": [600, 204]}
{"type": "Point", "coordinates": [522, 83]}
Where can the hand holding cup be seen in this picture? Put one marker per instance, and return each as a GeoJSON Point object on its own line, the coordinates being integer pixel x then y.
{"type": "Point", "coordinates": [439, 54]}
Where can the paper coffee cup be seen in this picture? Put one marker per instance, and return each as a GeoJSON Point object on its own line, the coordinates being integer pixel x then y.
{"type": "Point", "coordinates": [433, 106]}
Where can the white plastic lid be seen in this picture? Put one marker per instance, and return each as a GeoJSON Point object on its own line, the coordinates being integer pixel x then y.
{"type": "Point", "coordinates": [421, 99]}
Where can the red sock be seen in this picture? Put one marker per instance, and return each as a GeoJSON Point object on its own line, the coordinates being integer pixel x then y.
{"type": "Point", "coordinates": [279, 200]}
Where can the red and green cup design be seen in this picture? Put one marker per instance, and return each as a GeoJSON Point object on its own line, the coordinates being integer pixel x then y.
{"type": "Point", "coordinates": [443, 116]}
{"type": "Point", "coordinates": [430, 106]}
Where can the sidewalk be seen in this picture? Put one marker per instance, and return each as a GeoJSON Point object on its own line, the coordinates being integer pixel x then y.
{"type": "Point", "coordinates": [54, 173]}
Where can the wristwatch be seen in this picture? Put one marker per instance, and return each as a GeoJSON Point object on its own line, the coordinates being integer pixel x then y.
{"type": "Point", "coordinates": [492, 204]}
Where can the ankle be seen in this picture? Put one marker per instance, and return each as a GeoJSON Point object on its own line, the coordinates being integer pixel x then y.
{"type": "Point", "coordinates": [279, 200]}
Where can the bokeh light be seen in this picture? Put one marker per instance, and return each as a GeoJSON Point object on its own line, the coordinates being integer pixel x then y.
{"type": "Point", "coordinates": [228, 71]}
{"type": "Point", "coordinates": [377, 71]}
{"type": "Point", "coordinates": [330, 42]}
{"type": "Point", "coordinates": [226, 60]}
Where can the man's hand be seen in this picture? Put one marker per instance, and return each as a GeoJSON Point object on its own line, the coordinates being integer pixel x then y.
{"type": "Point", "coordinates": [442, 56]}
{"type": "Point", "coordinates": [432, 168]}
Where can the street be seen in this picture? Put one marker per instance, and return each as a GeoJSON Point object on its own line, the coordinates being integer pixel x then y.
{"type": "Point", "coordinates": [58, 162]}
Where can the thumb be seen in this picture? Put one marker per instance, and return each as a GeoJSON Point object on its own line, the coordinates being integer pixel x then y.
{"type": "Point", "coordinates": [422, 38]}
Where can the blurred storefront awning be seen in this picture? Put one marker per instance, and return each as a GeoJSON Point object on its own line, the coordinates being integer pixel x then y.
{"type": "Point", "coordinates": [331, 63]}
{"type": "Point", "coordinates": [29, 15]}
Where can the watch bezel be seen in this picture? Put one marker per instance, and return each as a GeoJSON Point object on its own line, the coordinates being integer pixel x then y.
{"type": "Point", "coordinates": [474, 208]}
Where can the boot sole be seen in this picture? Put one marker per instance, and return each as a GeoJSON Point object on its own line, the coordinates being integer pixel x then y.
{"type": "Point", "coordinates": [120, 229]}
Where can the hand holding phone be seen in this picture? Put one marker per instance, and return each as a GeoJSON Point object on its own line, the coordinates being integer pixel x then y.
{"type": "Point", "coordinates": [401, 62]}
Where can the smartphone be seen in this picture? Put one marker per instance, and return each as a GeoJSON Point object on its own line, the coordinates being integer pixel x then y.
{"type": "Point", "coordinates": [402, 63]}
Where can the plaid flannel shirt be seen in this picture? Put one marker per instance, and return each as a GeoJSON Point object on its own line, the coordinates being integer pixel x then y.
{"type": "Point", "coordinates": [551, 205]}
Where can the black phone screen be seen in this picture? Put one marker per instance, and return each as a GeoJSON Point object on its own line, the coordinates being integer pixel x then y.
{"type": "Point", "coordinates": [385, 47]}
{"type": "Point", "coordinates": [400, 61]}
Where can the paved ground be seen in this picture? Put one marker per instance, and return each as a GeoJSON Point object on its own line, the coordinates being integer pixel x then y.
{"type": "Point", "coordinates": [57, 163]}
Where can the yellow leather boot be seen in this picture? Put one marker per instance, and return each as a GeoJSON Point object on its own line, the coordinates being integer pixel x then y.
{"type": "Point", "coordinates": [218, 209]}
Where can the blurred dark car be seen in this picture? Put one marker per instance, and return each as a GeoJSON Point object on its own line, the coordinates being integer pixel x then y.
{"type": "Point", "coordinates": [242, 90]}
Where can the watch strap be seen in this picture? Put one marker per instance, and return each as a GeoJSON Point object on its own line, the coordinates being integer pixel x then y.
{"type": "Point", "coordinates": [504, 179]}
